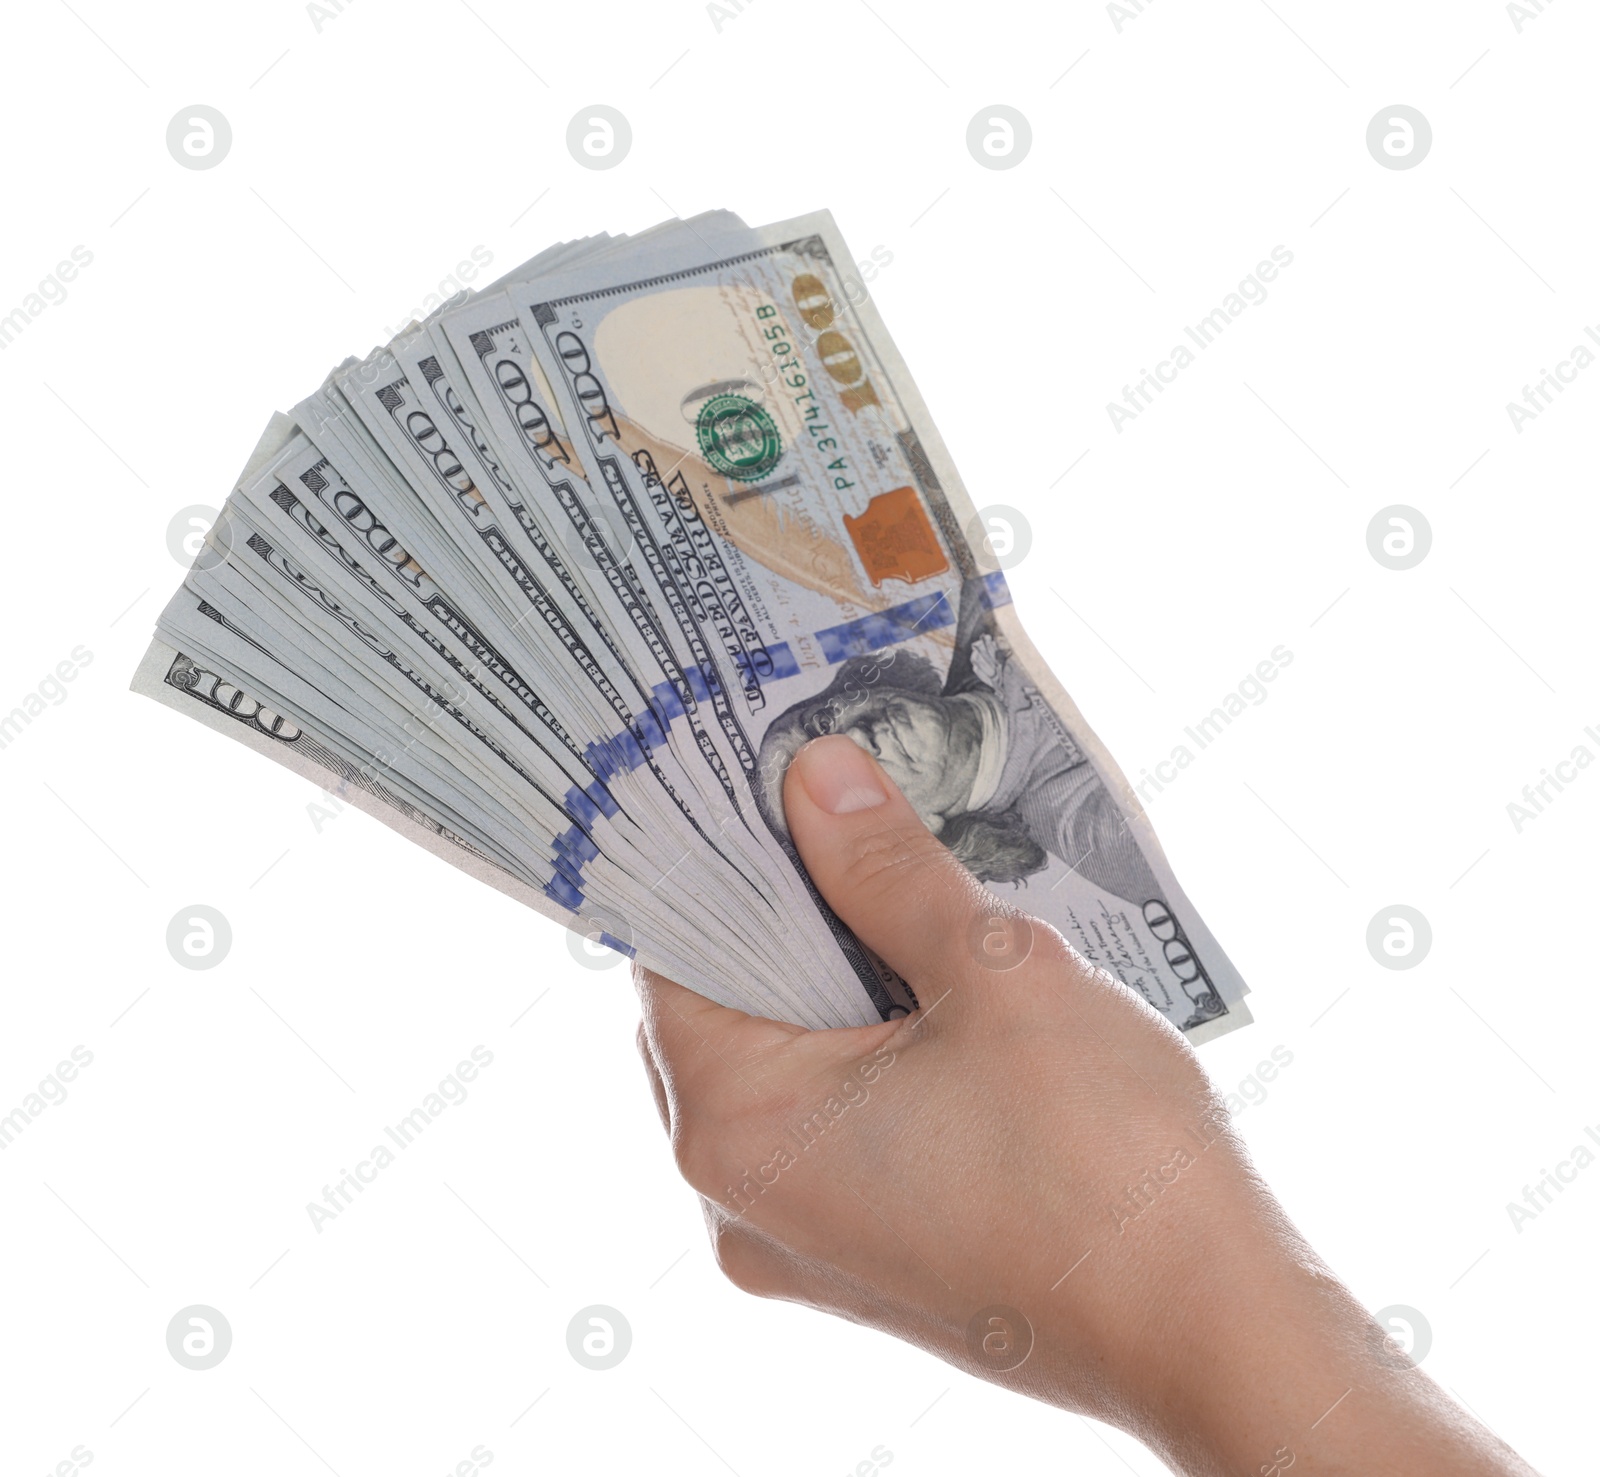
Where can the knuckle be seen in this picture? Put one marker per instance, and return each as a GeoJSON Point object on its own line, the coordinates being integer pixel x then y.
{"type": "Point", "coordinates": [1052, 950]}
{"type": "Point", "coordinates": [698, 1158]}
{"type": "Point", "coordinates": [886, 864]}
{"type": "Point", "coordinates": [741, 1258]}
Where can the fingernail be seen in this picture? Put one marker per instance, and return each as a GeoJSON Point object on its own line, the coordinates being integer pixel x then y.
{"type": "Point", "coordinates": [839, 776]}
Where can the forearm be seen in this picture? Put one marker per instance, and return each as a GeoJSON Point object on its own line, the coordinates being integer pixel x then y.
{"type": "Point", "coordinates": [1275, 1366]}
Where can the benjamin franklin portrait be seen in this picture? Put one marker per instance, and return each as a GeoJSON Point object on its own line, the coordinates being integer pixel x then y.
{"type": "Point", "coordinates": [988, 766]}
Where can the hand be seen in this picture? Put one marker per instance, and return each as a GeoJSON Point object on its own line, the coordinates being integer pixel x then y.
{"type": "Point", "coordinates": [1035, 1145]}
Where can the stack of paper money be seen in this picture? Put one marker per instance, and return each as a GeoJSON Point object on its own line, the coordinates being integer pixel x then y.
{"type": "Point", "coordinates": [558, 582]}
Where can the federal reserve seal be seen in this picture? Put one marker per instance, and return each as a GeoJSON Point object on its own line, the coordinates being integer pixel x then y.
{"type": "Point", "coordinates": [738, 437]}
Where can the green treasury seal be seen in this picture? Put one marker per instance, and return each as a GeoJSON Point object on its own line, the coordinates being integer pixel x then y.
{"type": "Point", "coordinates": [738, 437]}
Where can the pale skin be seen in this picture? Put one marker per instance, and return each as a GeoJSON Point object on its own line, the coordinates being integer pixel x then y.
{"type": "Point", "coordinates": [981, 1153]}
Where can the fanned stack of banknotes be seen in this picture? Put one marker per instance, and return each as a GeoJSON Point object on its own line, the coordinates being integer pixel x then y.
{"type": "Point", "coordinates": [558, 582]}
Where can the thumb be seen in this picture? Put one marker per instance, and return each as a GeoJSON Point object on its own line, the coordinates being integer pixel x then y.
{"type": "Point", "coordinates": [882, 871]}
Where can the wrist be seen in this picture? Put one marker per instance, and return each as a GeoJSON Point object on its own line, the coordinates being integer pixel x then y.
{"type": "Point", "coordinates": [1271, 1363]}
{"type": "Point", "coordinates": [1259, 1367]}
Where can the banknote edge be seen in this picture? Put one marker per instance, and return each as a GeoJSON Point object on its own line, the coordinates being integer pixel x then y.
{"type": "Point", "coordinates": [149, 680]}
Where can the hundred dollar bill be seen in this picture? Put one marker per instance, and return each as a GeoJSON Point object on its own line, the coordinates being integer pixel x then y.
{"type": "Point", "coordinates": [327, 644]}
{"type": "Point", "coordinates": [560, 634]}
{"type": "Point", "coordinates": [559, 581]}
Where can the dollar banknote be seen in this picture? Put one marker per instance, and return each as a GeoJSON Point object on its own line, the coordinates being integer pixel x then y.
{"type": "Point", "coordinates": [558, 582]}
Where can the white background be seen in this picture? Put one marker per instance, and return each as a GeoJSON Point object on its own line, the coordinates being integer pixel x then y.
{"type": "Point", "coordinates": [1168, 158]}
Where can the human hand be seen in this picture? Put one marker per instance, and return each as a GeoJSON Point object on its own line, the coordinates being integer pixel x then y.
{"type": "Point", "coordinates": [1034, 1145]}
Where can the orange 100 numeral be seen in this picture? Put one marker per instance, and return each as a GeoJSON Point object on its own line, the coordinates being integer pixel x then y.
{"type": "Point", "coordinates": [838, 354]}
